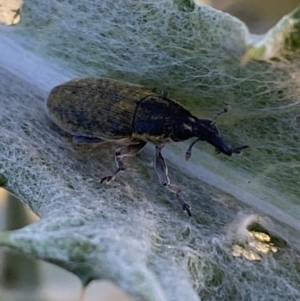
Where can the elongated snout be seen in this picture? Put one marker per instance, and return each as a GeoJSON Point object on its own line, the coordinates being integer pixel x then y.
{"type": "Point", "coordinates": [220, 144]}
{"type": "Point", "coordinates": [206, 130]}
{"type": "Point", "coordinates": [224, 147]}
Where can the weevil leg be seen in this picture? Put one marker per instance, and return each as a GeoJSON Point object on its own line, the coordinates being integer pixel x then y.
{"type": "Point", "coordinates": [125, 151]}
{"type": "Point", "coordinates": [162, 172]}
{"type": "Point", "coordinates": [87, 140]}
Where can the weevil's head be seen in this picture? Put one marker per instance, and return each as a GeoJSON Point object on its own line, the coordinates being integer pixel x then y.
{"type": "Point", "coordinates": [206, 130]}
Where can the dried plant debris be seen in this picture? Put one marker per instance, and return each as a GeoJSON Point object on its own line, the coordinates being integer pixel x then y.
{"type": "Point", "coordinates": [251, 238]}
{"type": "Point", "coordinates": [277, 42]}
{"type": "Point", "coordinates": [10, 11]}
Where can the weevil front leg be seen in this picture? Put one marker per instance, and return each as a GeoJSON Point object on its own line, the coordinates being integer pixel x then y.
{"type": "Point", "coordinates": [126, 151]}
{"type": "Point", "coordinates": [162, 172]}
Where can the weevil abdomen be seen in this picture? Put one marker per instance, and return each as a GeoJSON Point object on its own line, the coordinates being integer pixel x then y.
{"type": "Point", "coordinates": [96, 107]}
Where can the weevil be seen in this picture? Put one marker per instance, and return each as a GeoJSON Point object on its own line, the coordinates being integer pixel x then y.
{"type": "Point", "coordinates": [97, 110]}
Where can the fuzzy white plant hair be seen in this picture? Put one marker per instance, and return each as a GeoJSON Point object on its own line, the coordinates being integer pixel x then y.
{"type": "Point", "coordinates": [132, 232]}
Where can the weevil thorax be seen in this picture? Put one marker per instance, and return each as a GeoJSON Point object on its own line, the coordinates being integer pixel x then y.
{"type": "Point", "coordinates": [161, 120]}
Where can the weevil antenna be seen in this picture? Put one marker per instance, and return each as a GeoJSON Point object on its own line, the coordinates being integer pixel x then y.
{"type": "Point", "coordinates": [221, 112]}
{"type": "Point", "coordinates": [188, 153]}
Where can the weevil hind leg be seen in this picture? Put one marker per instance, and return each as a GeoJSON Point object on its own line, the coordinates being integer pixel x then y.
{"type": "Point", "coordinates": [125, 151]}
{"type": "Point", "coordinates": [162, 172]}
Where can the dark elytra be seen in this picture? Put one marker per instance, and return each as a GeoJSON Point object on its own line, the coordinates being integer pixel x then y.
{"type": "Point", "coordinates": [96, 110]}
